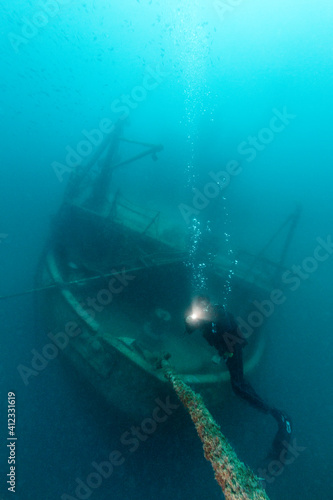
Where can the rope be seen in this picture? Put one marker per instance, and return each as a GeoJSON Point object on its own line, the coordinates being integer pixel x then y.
{"type": "Point", "coordinates": [237, 481]}
{"type": "Point", "coordinates": [155, 263]}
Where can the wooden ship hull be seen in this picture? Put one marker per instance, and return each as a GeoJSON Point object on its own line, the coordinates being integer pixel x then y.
{"type": "Point", "coordinates": [116, 285]}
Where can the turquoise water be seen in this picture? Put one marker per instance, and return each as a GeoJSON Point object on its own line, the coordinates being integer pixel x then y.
{"type": "Point", "coordinates": [239, 93]}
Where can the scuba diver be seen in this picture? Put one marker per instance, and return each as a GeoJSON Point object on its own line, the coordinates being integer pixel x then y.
{"type": "Point", "coordinates": [220, 330]}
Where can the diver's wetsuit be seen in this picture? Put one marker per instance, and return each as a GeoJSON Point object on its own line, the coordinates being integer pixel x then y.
{"type": "Point", "coordinates": [223, 334]}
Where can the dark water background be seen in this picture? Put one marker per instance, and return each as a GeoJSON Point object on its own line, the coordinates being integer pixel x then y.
{"type": "Point", "coordinates": [222, 69]}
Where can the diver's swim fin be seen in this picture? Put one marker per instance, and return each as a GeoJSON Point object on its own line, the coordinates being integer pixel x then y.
{"type": "Point", "coordinates": [283, 435]}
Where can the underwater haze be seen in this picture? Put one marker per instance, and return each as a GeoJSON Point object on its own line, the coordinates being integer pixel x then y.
{"type": "Point", "coordinates": [239, 94]}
